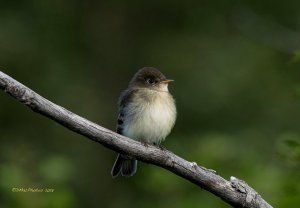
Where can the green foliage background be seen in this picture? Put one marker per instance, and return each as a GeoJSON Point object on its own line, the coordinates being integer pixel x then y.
{"type": "Point", "coordinates": [236, 66]}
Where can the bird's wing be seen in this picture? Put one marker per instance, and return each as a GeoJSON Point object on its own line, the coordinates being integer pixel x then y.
{"type": "Point", "coordinates": [125, 98]}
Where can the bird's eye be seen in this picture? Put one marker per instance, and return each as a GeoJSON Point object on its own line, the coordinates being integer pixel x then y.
{"type": "Point", "coordinates": [150, 81]}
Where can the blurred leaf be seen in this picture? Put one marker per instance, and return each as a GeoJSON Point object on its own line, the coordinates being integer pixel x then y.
{"type": "Point", "coordinates": [296, 57]}
{"type": "Point", "coordinates": [288, 149]}
{"type": "Point", "coordinates": [56, 169]}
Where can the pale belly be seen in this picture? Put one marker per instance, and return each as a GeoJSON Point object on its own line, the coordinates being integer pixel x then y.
{"type": "Point", "coordinates": [152, 121]}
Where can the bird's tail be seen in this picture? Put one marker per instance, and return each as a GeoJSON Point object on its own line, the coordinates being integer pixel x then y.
{"type": "Point", "coordinates": [124, 164]}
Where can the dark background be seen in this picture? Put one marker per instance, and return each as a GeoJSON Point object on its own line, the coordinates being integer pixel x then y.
{"type": "Point", "coordinates": [237, 88]}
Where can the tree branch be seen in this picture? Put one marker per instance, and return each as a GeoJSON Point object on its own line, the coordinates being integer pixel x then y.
{"type": "Point", "coordinates": [234, 192]}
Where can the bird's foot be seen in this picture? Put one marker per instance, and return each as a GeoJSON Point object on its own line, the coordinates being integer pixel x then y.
{"type": "Point", "coordinates": [160, 146]}
{"type": "Point", "coordinates": [145, 144]}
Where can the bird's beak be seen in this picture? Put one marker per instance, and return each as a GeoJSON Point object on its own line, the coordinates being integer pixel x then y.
{"type": "Point", "coordinates": [167, 81]}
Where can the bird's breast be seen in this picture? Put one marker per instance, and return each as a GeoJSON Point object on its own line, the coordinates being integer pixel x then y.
{"type": "Point", "coordinates": [150, 116]}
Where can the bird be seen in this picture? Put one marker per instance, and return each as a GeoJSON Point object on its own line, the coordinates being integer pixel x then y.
{"type": "Point", "coordinates": [147, 113]}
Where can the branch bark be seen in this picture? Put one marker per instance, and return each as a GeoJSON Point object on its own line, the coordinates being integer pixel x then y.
{"type": "Point", "coordinates": [234, 192]}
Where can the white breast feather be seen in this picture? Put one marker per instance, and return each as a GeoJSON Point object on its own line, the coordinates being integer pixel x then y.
{"type": "Point", "coordinates": [150, 120]}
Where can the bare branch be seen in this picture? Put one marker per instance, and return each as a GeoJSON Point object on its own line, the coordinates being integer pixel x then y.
{"type": "Point", "coordinates": [234, 192]}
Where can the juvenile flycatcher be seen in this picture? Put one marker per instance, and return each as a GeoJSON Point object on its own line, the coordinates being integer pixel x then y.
{"type": "Point", "coordinates": [147, 113]}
